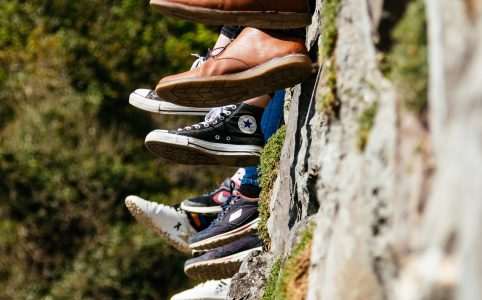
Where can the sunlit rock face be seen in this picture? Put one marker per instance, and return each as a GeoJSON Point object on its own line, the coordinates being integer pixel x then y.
{"type": "Point", "coordinates": [398, 202]}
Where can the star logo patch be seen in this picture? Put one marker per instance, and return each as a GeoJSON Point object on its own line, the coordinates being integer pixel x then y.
{"type": "Point", "coordinates": [247, 124]}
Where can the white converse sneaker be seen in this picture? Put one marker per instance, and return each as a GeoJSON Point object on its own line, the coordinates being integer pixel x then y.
{"type": "Point", "coordinates": [148, 100]}
{"type": "Point", "coordinates": [209, 290]}
{"type": "Point", "coordinates": [171, 223]}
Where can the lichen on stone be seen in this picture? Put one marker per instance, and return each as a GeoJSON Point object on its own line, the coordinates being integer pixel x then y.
{"type": "Point", "coordinates": [269, 169]}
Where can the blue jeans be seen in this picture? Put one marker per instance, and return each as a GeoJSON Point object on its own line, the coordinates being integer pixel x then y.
{"type": "Point", "coordinates": [270, 122]}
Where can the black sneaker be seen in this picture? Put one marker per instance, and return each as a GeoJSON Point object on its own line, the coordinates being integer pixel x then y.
{"type": "Point", "coordinates": [148, 100]}
{"type": "Point", "coordinates": [211, 202]}
{"type": "Point", "coordinates": [230, 135]}
{"type": "Point", "coordinates": [222, 262]}
{"type": "Point", "coordinates": [238, 218]}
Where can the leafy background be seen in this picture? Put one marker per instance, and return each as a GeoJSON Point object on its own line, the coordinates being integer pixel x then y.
{"type": "Point", "coordinates": [71, 148]}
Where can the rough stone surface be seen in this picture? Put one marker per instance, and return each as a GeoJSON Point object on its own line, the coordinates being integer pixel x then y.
{"type": "Point", "coordinates": [402, 218]}
{"type": "Point", "coordinates": [249, 282]}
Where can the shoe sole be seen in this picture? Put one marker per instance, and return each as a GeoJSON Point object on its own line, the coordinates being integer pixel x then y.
{"type": "Point", "coordinates": [201, 210]}
{"type": "Point", "coordinates": [191, 151]}
{"type": "Point", "coordinates": [222, 90]}
{"type": "Point", "coordinates": [219, 268]}
{"type": "Point", "coordinates": [257, 19]}
{"type": "Point", "coordinates": [227, 237]}
{"type": "Point", "coordinates": [164, 107]}
{"type": "Point", "coordinates": [144, 219]}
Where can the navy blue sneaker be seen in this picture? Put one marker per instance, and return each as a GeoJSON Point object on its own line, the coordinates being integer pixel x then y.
{"type": "Point", "coordinates": [238, 218]}
{"type": "Point", "coordinates": [222, 262]}
{"type": "Point", "coordinates": [210, 203]}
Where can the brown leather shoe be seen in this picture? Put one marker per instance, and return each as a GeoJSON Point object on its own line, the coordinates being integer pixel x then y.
{"type": "Point", "coordinates": [257, 62]}
{"type": "Point", "coordinates": [275, 14]}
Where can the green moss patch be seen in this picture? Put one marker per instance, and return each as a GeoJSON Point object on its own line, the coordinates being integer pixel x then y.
{"type": "Point", "coordinates": [327, 90]}
{"type": "Point", "coordinates": [328, 37]}
{"type": "Point", "coordinates": [269, 169]}
{"type": "Point", "coordinates": [289, 281]}
{"type": "Point", "coordinates": [407, 62]}
{"type": "Point", "coordinates": [365, 124]}
{"type": "Point", "coordinates": [329, 33]}
{"type": "Point", "coordinates": [270, 287]}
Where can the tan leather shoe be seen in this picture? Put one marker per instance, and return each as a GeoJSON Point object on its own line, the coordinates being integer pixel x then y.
{"type": "Point", "coordinates": [257, 62]}
{"type": "Point", "coordinates": [279, 14]}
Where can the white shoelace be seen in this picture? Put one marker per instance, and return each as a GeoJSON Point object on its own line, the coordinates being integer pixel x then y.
{"type": "Point", "coordinates": [213, 116]}
{"type": "Point", "coordinates": [199, 61]}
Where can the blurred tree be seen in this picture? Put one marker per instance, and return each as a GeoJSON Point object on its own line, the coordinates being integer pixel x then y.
{"type": "Point", "coordinates": [71, 148]}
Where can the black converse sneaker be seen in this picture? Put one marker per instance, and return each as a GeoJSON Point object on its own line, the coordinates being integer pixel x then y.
{"type": "Point", "coordinates": [148, 100]}
{"type": "Point", "coordinates": [230, 136]}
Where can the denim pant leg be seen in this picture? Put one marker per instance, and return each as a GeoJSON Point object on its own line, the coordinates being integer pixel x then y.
{"type": "Point", "coordinates": [270, 122]}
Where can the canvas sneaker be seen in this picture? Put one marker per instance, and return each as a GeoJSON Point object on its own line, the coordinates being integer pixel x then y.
{"type": "Point", "coordinates": [238, 218]}
{"type": "Point", "coordinates": [148, 100]}
{"type": "Point", "coordinates": [230, 135]}
{"type": "Point", "coordinates": [209, 290]}
{"type": "Point", "coordinates": [224, 261]}
{"type": "Point", "coordinates": [169, 222]}
{"type": "Point", "coordinates": [212, 201]}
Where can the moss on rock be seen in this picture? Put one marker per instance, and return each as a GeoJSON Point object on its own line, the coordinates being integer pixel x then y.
{"type": "Point", "coordinates": [289, 280]}
{"type": "Point", "coordinates": [269, 169]}
{"type": "Point", "coordinates": [328, 37]}
{"type": "Point", "coordinates": [407, 62]}
{"type": "Point", "coordinates": [365, 124]}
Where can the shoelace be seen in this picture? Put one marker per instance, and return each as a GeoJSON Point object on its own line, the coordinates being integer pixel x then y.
{"type": "Point", "coordinates": [202, 59]}
{"type": "Point", "coordinates": [217, 113]}
{"type": "Point", "coordinates": [226, 206]}
{"type": "Point", "coordinates": [199, 61]}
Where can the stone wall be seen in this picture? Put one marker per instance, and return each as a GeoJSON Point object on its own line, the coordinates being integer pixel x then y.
{"type": "Point", "coordinates": [398, 204]}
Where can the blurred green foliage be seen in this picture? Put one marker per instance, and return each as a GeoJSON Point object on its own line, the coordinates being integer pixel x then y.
{"type": "Point", "coordinates": [71, 148]}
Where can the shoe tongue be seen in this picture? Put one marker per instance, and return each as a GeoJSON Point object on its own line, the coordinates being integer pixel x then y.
{"type": "Point", "coordinates": [227, 182]}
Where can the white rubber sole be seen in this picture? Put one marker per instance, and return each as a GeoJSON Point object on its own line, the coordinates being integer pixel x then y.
{"type": "Point", "coordinates": [145, 220]}
{"type": "Point", "coordinates": [219, 268]}
{"type": "Point", "coordinates": [164, 107]}
{"type": "Point", "coordinates": [201, 210]}
{"type": "Point", "coordinates": [227, 237]}
{"type": "Point", "coordinates": [192, 151]}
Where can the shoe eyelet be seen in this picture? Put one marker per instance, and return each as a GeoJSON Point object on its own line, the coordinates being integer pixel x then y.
{"type": "Point", "coordinates": [221, 118]}
{"type": "Point", "coordinates": [228, 113]}
{"type": "Point", "coordinates": [233, 106]}
{"type": "Point", "coordinates": [215, 122]}
{"type": "Point", "coordinates": [228, 138]}
{"type": "Point", "coordinates": [217, 137]}
{"type": "Point", "coordinates": [206, 125]}
{"type": "Point", "coordinates": [188, 127]}
{"type": "Point", "coordinates": [197, 126]}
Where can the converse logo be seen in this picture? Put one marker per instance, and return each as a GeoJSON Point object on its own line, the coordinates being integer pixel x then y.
{"type": "Point", "coordinates": [247, 124]}
{"type": "Point", "coordinates": [235, 215]}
